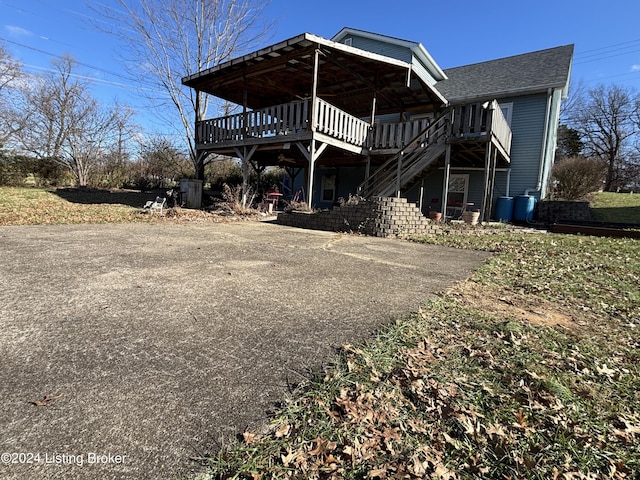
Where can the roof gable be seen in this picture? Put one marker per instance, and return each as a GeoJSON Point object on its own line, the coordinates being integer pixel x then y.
{"type": "Point", "coordinates": [416, 49]}
{"type": "Point", "coordinates": [520, 74]}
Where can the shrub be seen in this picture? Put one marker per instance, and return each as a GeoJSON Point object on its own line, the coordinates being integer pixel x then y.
{"type": "Point", "coordinates": [224, 171]}
{"type": "Point", "coordinates": [351, 200]}
{"type": "Point", "coordinates": [232, 200]}
{"type": "Point", "coordinates": [294, 206]}
{"type": "Point", "coordinates": [576, 177]}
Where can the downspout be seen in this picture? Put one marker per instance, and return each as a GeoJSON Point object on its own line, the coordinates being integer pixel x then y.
{"type": "Point", "coordinates": [543, 153]}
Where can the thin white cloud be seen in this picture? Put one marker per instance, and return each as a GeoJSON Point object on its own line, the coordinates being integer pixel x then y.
{"type": "Point", "coordinates": [635, 68]}
{"type": "Point", "coordinates": [17, 31]}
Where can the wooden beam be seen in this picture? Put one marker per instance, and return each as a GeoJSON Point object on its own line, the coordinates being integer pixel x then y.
{"type": "Point", "coordinates": [445, 181]}
{"type": "Point", "coordinates": [485, 193]}
{"type": "Point", "coordinates": [372, 85]}
{"type": "Point", "coordinates": [314, 127]}
{"type": "Point", "coordinates": [493, 182]}
{"type": "Point", "coordinates": [312, 162]}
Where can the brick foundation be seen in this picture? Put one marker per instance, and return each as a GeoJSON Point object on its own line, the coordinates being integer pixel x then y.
{"type": "Point", "coordinates": [380, 217]}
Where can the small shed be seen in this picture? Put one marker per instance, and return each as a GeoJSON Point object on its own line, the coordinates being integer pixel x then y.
{"type": "Point", "coordinates": [191, 193]}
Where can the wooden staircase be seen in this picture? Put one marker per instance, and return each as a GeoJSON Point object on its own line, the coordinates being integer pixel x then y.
{"type": "Point", "coordinates": [411, 162]}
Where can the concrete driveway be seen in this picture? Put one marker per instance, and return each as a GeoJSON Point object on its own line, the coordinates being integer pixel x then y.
{"type": "Point", "coordinates": [150, 344]}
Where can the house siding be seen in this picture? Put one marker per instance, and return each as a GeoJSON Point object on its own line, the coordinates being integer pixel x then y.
{"type": "Point", "coordinates": [381, 48]}
{"type": "Point", "coordinates": [347, 180]}
{"type": "Point", "coordinates": [527, 126]}
{"type": "Point", "coordinates": [552, 140]}
{"type": "Point", "coordinates": [419, 68]}
{"type": "Point", "coordinates": [394, 51]}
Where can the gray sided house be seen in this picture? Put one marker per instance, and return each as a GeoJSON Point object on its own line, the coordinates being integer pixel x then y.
{"type": "Point", "coordinates": [372, 115]}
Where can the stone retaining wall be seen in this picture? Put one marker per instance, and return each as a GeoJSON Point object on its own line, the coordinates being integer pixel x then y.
{"type": "Point", "coordinates": [555, 211]}
{"type": "Point", "coordinates": [380, 217]}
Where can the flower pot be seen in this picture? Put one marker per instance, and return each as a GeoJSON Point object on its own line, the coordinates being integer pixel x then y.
{"type": "Point", "coordinates": [435, 216]}
{"type": "Point", "coordinates": [471, 217]}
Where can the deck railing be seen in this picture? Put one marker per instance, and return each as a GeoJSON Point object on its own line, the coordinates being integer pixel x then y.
{"type": "Point", "coordinates": [416, 154]}
{"type": "Point", "coordinates": [481, 118]}
{"type": "Point", "coordinates": [396, 135]}
{"type": "Point", "coordinates": [338, 124]}
{"type": "Point", "coordinates": [500, 127]}
{"type": "Point", "coordinates": [469, 121]}
{"type": "Point", "coordinates": [284, 119]}
{"type": "Point", "coordinates": [266, 122]}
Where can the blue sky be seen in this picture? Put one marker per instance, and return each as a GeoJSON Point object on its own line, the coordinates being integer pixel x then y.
{"type": "Point", "coordinates": [605, 34]}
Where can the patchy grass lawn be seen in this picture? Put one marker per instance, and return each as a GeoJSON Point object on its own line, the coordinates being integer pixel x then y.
{"type": "Point", "coordinates": [32, 206]}
{"type": "Point", "coordinates": [531, 369]}
{"type": "Point", "coordinates": [615, 207]}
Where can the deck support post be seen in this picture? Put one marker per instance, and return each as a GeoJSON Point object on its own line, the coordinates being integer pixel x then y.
{"type": "Point", "coordinates": [445, 181]}
{"type": "Point", "coordinates": [484, 213]}
{"type": "Point", "coordinates": [314, 127]}
{"type": "Point", "coordinates": [312, 163]}
{"type": "Point", "coordinates": [367, 169]}
{"type": "Point", "coordinates": [494, 164]}
{"type": "Point", "coordinates": [245, 178]}
{"type": "Point", "coordinates": [245, 156]}
{"type": "Point", "coordinates": [487, 173]}
{"type": "Point", "coordinates": [485, 191]}
{"type": "Point", "coordinates": [245, 153]}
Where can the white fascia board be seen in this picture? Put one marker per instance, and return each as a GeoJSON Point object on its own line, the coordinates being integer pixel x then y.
{"type": "Point", "coordinates": [305, 37]}
{"type": "Point", "coordinates": [425, 57]}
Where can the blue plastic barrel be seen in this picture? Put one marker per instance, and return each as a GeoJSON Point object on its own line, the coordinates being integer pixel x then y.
{"type": "Point", "coordinates": [523, 208]}
{"type": "Point", "coordinates": [504, 209]}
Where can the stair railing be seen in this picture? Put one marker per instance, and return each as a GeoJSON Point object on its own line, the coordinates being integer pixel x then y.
{"type": "Point", "coordinates": [393, 169]}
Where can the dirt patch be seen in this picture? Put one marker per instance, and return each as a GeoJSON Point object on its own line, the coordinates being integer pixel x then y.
{"type": "Point", "coordinates": [530, 309]}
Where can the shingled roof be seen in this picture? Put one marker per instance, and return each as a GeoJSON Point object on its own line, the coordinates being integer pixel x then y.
{"type": "Point", "coordinates": [521, 74]}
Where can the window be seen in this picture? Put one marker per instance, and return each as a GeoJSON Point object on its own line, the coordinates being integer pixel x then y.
{"type": "Point", "coordinates": [328, 188]}
{"type": "Point", "coordinates": [348, 41]}
{"type": "Point", "coordinates": [458, 187]}
{"type": "Point", "coordinates": [507, 110]}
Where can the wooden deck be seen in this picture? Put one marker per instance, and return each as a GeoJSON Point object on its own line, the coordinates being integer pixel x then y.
{"type": "Point", "coordinates": [298, 121]}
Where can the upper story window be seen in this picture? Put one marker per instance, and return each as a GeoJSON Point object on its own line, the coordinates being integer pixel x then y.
{"type": "Point", "coordinates": [348, 41]}
{"type": "Point", "coordinates": [507, 111]}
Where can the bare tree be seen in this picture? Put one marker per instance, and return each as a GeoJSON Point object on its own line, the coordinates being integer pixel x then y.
{"type": "Point", "coordinates": [55, 95]}
{"type": "Point", "coordinates": [13, 114]}
{"type": "Point", "coordinates": [168, 39]}
{"type": "Point", "coordinates": [161, 162]}
{"type": "Point", "coordinates": [576, 98]}
{"type": "Point", "coordinates": [68, 125]}
{"type": "Point", "coordinates": [605, 121]}
{"type": "Point", "coordinates": [85, 144]}
{"type": "Point", "coordinates": [116, 158]}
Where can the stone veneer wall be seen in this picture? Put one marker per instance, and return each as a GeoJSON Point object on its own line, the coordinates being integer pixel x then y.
{"type": "Point", "coordinates": [554, 211]}
{"type": "Point", "coordinates": [380, 217]}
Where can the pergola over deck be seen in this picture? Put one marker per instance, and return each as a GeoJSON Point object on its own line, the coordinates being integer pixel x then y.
{"type": "Point", "coordinates": [313, 94]}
